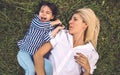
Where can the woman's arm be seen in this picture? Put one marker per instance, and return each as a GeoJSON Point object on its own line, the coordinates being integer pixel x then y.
{"type": "Point", "coordinates": [38, 58]}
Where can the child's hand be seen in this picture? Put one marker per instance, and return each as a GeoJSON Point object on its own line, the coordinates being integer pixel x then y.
{"type": "Point", "coordinates": [57, 29]}
{"type": "Point", "coordinates": [56, 22]}
{"type": "Point", "coordinates": [60, 27]}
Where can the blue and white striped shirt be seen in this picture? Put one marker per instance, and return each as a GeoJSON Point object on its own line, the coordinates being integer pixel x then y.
{"type": "Point", "coordinates": [36, 36]}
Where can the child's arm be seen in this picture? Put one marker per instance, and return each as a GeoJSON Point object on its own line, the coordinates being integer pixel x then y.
{"type": "Point", "coordinates": [56, 22]}
{"type": "Point", "coordinates": [56, 30]}
{"type": "Point", "coordinates": [38, 58]}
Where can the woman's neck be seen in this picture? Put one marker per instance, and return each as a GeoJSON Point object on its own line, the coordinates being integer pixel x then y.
{"type": "Point", "coordinates": [78, 39]}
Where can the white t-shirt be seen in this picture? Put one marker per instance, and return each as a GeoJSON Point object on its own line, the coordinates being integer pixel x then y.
{"type": "Point", "coordinates": [62, 55]}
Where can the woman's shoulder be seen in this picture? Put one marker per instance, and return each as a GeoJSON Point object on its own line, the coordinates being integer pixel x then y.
{"type": "Point", "coordinates": [92, 49]}
{"type": "Point", "coordinates": [63, 32]}
{"type": "Point", "coordinates": [90, 45]}
{"type": "Point", "coordinates": [89, 48]}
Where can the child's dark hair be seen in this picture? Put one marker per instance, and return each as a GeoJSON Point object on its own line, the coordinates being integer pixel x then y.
{"type": "Point", "coordinates": [52, 6]}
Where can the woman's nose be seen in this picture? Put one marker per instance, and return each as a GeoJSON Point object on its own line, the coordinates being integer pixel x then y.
{"type": "Point", "coordinates": [70, 22]}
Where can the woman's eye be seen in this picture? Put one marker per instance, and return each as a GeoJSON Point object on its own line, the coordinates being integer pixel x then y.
{"type": "Point", "coordinates": [75, 19]}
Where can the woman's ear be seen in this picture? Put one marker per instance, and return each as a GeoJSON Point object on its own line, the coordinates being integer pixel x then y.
{"type": "Point", "coordinates": [85, 26]}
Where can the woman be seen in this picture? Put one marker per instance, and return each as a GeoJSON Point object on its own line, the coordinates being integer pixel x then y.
{"type": "Point", "coordinates": [73, 51]}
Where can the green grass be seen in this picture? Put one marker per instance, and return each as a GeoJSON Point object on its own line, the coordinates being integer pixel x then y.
{"type": "Point", "coordinates": [16, 15]}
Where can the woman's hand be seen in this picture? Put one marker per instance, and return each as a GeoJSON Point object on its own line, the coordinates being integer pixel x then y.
{"type": "Point", "coordinates": [83, 61]}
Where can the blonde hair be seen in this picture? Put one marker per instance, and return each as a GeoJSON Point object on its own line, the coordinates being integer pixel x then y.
{"type": "Point", "coordinates": [92, 31]}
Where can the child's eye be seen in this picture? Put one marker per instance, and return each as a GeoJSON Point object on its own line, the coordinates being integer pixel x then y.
{"type": "Point", "coordinates": [48, 12]}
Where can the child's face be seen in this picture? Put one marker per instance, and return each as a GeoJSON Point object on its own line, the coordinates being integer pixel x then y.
{"type": "Point", "coordinates": [45, 14]}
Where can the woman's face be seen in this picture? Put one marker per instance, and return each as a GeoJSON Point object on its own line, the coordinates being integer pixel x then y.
{"type": "Point", "coordinates": [45, 14]}
{"type": "Point", "coordinates": [76, 24]}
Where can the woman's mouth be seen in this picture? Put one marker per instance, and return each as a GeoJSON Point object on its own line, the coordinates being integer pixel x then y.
{"type": "Point", "coordinates": [70, 27]}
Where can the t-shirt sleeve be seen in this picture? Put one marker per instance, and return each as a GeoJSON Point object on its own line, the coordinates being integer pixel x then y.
{"type": "Point", "coordinates": [93, 58]}
{"type": "Point", "coordinates": [57, 38]}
